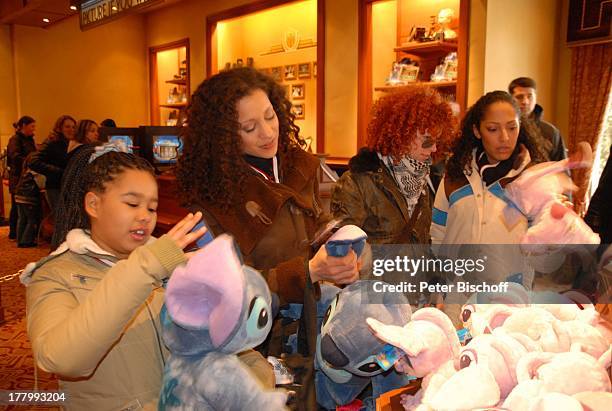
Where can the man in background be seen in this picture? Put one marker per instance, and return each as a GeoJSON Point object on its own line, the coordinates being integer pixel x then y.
{"type": "Point", "coordinates": [523, 89]}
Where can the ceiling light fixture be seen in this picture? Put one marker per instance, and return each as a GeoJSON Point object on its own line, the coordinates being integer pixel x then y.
{"type": "Point", "coordinates": [73, 8]}
{"type": "Point", "coordinates": [46, 20]}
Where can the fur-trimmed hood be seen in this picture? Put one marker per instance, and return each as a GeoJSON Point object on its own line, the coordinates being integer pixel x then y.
{"type": "Point", "coordinates": [365, 160]}
{"type": "Point", "coordinates": [78, 241]}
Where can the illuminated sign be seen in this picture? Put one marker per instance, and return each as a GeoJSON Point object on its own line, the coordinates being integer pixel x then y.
{"type": "Point", "coordinates": [96, 12]}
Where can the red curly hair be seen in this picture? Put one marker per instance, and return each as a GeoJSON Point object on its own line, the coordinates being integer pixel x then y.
{"type": "Point", "coordinates": [397, 116]}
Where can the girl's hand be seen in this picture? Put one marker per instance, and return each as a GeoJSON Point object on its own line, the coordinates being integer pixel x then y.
{"type": "Point", "coordinates": [338, 270]}
{"type": "Point", "coordinates": [181, 232]}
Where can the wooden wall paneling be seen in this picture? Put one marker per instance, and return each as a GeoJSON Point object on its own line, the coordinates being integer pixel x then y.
{"type": "Point", "coordinates": [364, 80]}
{"type": "Point", "coordinates": [320, 127]}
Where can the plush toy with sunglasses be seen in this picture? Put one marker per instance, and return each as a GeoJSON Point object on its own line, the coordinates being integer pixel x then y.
{"type": "Point", "coordinates": [348, 353]}
{"type": "Point", "coordinates": [216, 307]}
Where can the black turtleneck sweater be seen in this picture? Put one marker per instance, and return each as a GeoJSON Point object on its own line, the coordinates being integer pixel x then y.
{"type": "Point", "coordinates": [263, 164]}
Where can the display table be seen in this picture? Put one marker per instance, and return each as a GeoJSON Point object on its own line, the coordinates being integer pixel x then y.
{"type": "Point", "coordinates": [390, 401]}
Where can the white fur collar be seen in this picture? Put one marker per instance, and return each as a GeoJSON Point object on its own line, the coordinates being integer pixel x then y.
{"type": "Point", "coordinates": [79, 242]}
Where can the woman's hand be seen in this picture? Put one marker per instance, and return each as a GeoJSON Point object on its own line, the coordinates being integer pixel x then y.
{"type": "Point", "coordinates": [181, 233]}
{"type": "Point", "coordinates": [338, 270]}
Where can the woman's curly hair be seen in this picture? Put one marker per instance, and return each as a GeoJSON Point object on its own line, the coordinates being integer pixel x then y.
{"type": "Point", "coordinates": [212, 167]}
{"type": "Point", "coordinates": [397, 117]}
{"type": "Point", "coordinates": [56, 133]}
{"type": "Point", "coordinates": [462, 150]}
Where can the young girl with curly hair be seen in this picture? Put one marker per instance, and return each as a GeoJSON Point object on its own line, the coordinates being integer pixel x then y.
{"type": "Point", "coordinates": [93, 304]}
{"type": "Point", "coordinates": [243, 167]}
{"type": "Point", "coordinates": [385, 191]}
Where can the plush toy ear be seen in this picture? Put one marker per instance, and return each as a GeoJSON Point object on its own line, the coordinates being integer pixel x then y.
{"type": "Point", "coordinates": [605, 361]}
{"type": "Point", "coordinates": [397, 336]}
{"type": "Point", "coordinates": [441, 320]}
{"type": "Point", "coordinates": [581, 158]}
{"type": "Point", "coordinates": [511, 357]}
{"type": "Point", "coordinates": [525, 341]}
{"type": "Point", "coordinates": [498, 316]}
{"type": "Point", "coordinates": [562, 335]}
{"type": "Point", "coordinates": [527, 366]}
{"type": "Point", "coordinates": [208, 292]}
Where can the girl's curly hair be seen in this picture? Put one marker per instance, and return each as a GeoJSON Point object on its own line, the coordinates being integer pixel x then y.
{"type": "Point", "coordinates": [397, 117]}
{"type": "Point", "coordinates": [212, 167]}
{"type": "Point", "coordinates": [462, 150]}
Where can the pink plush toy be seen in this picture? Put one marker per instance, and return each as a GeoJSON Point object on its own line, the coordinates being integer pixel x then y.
{"type": "Point", "coordinates": [566, 373]}
{"type": "Point", "coordinates": [538, 194]}
{"type": "Point", "coordinates": [549, 333]}
{"type": "Point", "coordinates": [486, 374]}
{"type": "Point", "coordinates": [429, 340]}
{"type": "Point", "coordinates": [430, 343]}
{"type": "Point", "coordinates": [476, 315]}
{"type": "Point", "coordinates": [486, 311]}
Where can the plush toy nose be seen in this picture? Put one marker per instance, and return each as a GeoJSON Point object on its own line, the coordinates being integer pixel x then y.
{"type": "Point", "coordinates": [558, 211]}
{"type": "Point", "coordinates": [331, 353]}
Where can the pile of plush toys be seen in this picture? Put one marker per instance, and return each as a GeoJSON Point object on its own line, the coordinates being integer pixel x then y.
{"type": "Point", "coordinates": [531, 352]}
{"type": "Point", "coordinates": [522, 357]}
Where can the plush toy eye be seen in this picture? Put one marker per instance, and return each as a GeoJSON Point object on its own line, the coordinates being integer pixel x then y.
{"type": "Point", "coordinates": [467, 358]}
{"type": "Point", "coordinates": [330, 310]}
{"type": "Point", "coordinates": [259, 316]}
{"type": "Point", "coordinates": [468, 309]}
{"type": "Point", "coordinates": [369, 367]}
{"type": "Point", "coordinates": [262, 321]}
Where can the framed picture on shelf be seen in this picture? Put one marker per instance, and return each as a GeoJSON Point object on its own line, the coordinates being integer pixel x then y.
{"type": "Point", "coordinates": [290, 72]}
{"type": "Point", "coordinates": [298, 91]}
{"type": "Point", "coordinates": [276, 73]}
{"type": "Point", "coordinates": [304, 70]}
{"type": "Point", "coordinates": [287, 90]}
{"type": "Point", "coordinates": [314, 69]}
{"type": "Point", "coordinates": [299, 110]}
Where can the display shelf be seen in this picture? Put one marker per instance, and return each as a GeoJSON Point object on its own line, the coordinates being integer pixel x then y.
{"type": "Point", "coordinates": [174, 105]}
{"type": "Point", "coordinates": [435, 84]}
{"type": "Point", "coordinates": [427, 48]}
{"type": "Point", "coordinates": [169, 82]}
{"type": "Point", "coordinates": [180, 82]}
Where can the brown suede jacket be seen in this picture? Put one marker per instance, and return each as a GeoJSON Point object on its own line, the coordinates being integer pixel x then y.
{"type": "Point", "coordinates": [275, 223]}
{"type": "Point", "coordinates": [368, 197]}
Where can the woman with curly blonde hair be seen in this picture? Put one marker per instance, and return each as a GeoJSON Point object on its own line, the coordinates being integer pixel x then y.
{"type": "Point", "coordinates": [243, 167]}
{"type": "Point", "coordinates": [385, 191]}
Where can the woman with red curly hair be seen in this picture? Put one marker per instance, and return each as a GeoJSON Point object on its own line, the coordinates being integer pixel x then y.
{"type": "Point", "coordinates": [385, 191]}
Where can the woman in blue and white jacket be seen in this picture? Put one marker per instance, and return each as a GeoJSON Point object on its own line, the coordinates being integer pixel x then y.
{"type": "Point", "coordinates": [494, 147]}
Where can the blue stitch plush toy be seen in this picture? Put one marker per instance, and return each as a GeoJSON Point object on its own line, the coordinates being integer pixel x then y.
{"type": "Point", "coordinates": [348, 353]}
{"type": "Point", "coordinates": [215, 308]}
